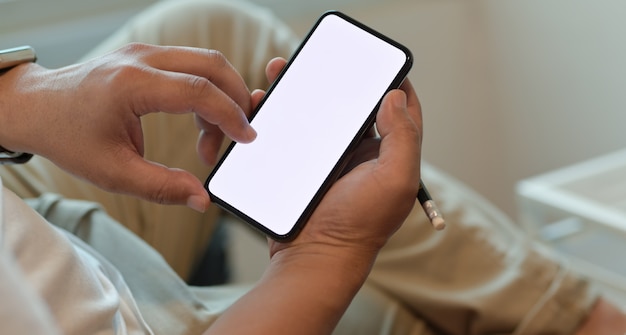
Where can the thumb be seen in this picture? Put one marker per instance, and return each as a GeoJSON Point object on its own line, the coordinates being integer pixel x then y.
{"type": "Point", "coordinates": [157, 183]}
{"type": "Point", "coordinates": [400, 146]}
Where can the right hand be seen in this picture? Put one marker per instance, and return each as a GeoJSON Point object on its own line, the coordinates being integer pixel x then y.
{"type": "Point", "coordinates": [86, 118]}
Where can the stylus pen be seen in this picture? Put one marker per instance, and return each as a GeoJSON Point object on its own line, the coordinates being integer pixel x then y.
{"type": "Point", "coordinates": [431, 210]}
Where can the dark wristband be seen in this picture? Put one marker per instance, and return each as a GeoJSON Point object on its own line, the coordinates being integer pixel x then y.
{"type": "Point", "coordinates": [10, 157]}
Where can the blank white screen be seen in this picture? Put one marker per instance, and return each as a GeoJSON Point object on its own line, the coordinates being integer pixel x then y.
{"type": "Point", "coordinates": [306, 123]}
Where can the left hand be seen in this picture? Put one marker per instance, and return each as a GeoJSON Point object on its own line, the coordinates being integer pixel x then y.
{"type": "Point", "coordinates": [326, 264]}
{"type": "Point", "coordinates": [368, 204]}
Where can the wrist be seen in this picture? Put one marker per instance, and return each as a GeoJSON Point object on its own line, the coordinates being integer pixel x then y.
{"type": "Point", "coordinates": [322, 281]}
{"type": "Point", "coordinates": [17, 86]}
{"type": "Point", "coordinates": [9, 59]}
{"type": "Point", "coordinates": [315, 259]}
{"type": "Point", "coordinates": [304, 290]}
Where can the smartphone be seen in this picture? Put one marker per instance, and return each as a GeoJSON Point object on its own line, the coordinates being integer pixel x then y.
{"type": "Point", "coordinates": [311, 118]}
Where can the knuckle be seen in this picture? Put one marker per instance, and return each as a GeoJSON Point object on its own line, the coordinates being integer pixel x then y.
{"type": "Point", "coordinates": [416, 135]}
{"type": "Point", "coordinates": [217, 58]}
{"type": "Point", "coordinates": [119, 74]}
{"type": "Point", "coordinates": [121, 82]}
{"type": "Point", "coordinates": [135, 48]}
{"type": "Point", "coordinates": [129, 64]}
{"type": "Point", "coordinates": [412, 134]}
{"type": "Point", "coordinates": [107, 184]}
{"type": "Point", "coordinates": [160, 195]}
{"type": "Point", "coordinates": [108, 180]}
{"type": "Point", "coordinates": [126, 73]}
{"type": "Point", "coordinates": [403, 197]}
{"type": "Point", "coordinates": [198, 87]}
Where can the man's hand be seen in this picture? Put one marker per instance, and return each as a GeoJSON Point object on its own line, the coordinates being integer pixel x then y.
{"type": "Point", "coordinates": [368, 204]}
{"type": "Point", "coordinates": [86, 118]}
{"type": "Point", "coordinates": [604, 318]}
{"type": "Point", "coordinates": [326, 264]}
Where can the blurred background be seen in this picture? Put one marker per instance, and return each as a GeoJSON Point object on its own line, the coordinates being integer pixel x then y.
{"type": "Point", "coordinates": [509, 89]}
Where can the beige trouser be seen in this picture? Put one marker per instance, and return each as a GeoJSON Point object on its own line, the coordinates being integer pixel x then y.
{"type": "Point", "coordinates": [481, 275]}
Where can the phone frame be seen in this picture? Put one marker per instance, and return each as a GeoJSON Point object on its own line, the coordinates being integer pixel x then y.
{"type": "Point", "coordinates": [343, 160]}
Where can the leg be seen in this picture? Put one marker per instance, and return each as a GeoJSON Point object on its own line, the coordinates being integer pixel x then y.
{"type": "Point", "coordinates": [168, 305]}
{"type": "Point", "coordinates": [164, 300]}
{"type": "Point", "coordinates": [481, 274]}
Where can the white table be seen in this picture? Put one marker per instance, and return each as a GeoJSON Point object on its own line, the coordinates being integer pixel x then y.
{"type": "Point", "coordinates": [580, 211]}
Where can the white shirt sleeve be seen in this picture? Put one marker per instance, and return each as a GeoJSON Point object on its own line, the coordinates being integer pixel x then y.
{"type": "Point", "coordinates": [21, 311]}
{"type": "Point", "coordinates": [53, 280]}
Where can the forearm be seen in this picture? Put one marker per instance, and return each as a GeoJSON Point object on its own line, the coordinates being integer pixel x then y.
{"type": "Point", "coordinates": [305, 294]}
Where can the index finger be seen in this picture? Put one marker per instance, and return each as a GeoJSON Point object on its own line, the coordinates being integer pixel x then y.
{"type": "Point", "coordinates": [206, 63]}
{"type": "Point", "coordinates": [183, 93]}
{"type": "Point", "coordinates": [193, 80]}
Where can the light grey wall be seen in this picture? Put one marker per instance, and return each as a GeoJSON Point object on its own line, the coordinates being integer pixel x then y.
{"type": "Point", "coordinates": [559, 81]}
{"type": "Point", "coordinates": [510, 88]}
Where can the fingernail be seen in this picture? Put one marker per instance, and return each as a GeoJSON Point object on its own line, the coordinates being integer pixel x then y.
{"type": "Point", "coordinates": [400, 100]}
{"type": "Point", "coordinates": [251, 133]}
{"type": "Point", "coordinates": [197, 203]}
